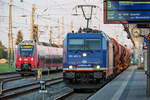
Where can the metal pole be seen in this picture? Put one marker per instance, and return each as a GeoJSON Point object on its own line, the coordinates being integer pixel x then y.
{"type": "Point", "coordinates": [50, 38]}
{"type": "Point", "coordinates": [10, 34]}
{"type": "Point", "coordinates": [71, 26]}
{"type": "Point", "coordinates": [63, 29]}
{"type": "Point", "coordinates": [59, 34]}
{"type": "Point", "coordinates": [148, 69]}
{"type": "Point", "coordinates": [32, 21]}
{"type": "Point", "coordinates": [12, 49]}
{"type": "Point", "coordinates": [87, 23]}
{"type": "Point", "coordinates": [9, 49]}
{"type": "Point", "coordinates": [36, 56]}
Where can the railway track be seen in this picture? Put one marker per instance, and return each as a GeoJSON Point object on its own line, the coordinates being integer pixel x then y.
{"type": "Point", "coordinates": [15, 76]}
{"type": "Point", "coordinates": [9, 76]}
{"type": "Point", "coordinates": [5, 73]}
{"type": "Point", "coordinates": [78, 95]}
{"type": "Point", "coordinates": [73, 95]}
{"type": "Point", "coordinates": [27, 88]}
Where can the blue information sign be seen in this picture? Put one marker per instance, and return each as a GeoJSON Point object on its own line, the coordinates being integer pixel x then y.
{"type": "Point", "coordinates": [127, 11]}
{"type": "Point", "coordinates": [145, 43]}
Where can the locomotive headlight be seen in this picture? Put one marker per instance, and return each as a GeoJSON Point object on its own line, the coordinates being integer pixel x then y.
{"type": "Point", "coordinates": [84, 54]}
{"type": "Point", "coordinates": [70, 67]}
{"type": "Point", "coordinates": [98, 66]}
{"type": "Point", "coordinates": [32, 59]}
{"type": "Point", "coordinates": [20, 59]}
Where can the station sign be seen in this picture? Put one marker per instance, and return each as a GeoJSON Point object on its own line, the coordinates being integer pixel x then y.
{"type": "Point", "coordinates": [126, 11]}
{"type": "Point", "coordinates": [145, 43]}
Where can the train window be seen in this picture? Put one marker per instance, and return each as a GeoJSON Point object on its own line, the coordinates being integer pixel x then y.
{"type": "Point", "coordinates": [26, 51]}
{"type": "Point", "coordinates": [92, 44]}
{"type": "Point", "coordinates": [76, 44]}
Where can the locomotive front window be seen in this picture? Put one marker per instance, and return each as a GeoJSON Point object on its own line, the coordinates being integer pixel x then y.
{"type": "Point", "coordinates": [92, 44]}
{"type": "Point", "coordinates": [76, 44]}
{"type": "Point", "coordinates": [26, 51]}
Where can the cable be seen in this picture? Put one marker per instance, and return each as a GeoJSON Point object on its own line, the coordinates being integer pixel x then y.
{"type": "Point", "coordinates": [59, 5]}
{"type": "Point", "coordinates": [36, 13]}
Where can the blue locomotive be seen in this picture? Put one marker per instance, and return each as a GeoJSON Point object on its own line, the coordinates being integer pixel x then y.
{"type": "Point", "coordinates": [87, 57]}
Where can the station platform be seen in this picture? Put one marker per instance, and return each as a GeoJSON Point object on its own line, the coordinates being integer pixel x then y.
{"type": "Point", "coordinates": [129, 85]}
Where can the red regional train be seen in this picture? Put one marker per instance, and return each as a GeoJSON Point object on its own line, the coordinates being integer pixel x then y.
{"type": "Point", "coordinates": [49, 58]}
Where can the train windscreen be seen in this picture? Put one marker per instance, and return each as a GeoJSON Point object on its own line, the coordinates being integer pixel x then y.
{"type": "Point", "coordinates": [92, 44]}
{"type": "Point", "coordinates": [84, 44]}
{"type": "Point", "coordinates": [26, 50]}
{"type": "Point", "coordinates": [76, 44]}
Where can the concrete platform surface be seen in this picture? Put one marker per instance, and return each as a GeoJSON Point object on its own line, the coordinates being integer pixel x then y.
{"type": "Point", "coordinates": [129, 85]}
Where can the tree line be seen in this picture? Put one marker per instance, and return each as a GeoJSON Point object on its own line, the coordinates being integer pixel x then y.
{"type": "Point", "coordinates": [3, 49]}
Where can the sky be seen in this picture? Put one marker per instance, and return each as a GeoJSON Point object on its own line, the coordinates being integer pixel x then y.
{"type": "Point", "coordinates": [48, 13]}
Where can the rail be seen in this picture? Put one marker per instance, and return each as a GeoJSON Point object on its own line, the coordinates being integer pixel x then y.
{"type": "Point", "coordinates": [16, 91]}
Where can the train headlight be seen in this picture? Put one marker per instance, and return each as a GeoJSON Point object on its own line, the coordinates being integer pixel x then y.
{"type": "Point", "coordinates": [84, 54]}
{"type": "Point", "coordinates": [32, 59]}
{"type": "Point", "coordinates": [20, 59]}
{"type": "Point", "coordinates": [70, 67]}
{"type": "Point", "coordinates": [98, 66]}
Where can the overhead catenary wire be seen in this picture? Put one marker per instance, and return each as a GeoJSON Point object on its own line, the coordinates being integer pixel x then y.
{"type": "Point", "coordinates": [45, 17]}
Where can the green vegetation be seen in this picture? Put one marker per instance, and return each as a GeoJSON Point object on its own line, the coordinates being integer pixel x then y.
{"type": "Point", "coordinates": [3, 51]}
{"type": "Point", "coordinates": [5, 68]}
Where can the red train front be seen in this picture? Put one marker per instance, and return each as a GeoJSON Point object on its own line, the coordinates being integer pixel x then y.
{"type": "Point", "coordinates": [49, 58]}
{"type": "Point", "coordinates": [25, 57]}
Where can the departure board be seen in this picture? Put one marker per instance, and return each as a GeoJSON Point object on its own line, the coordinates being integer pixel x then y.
{"type": "Point", "coordinates": [127, 11]}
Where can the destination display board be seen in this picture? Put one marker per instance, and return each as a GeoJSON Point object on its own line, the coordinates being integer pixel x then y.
{"type": "Point", "coordinates": [127, 11]}
{"type": "Point", "coordinates": [26, 46]}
